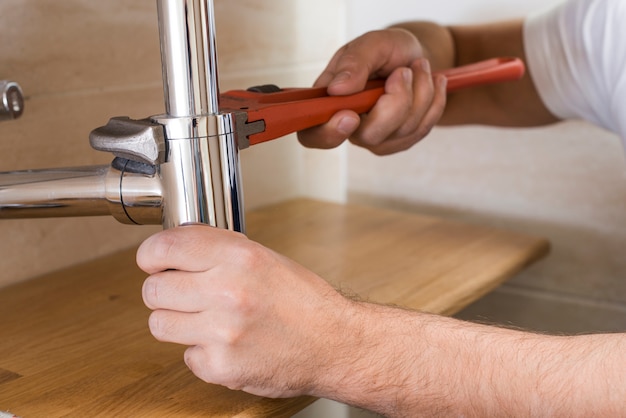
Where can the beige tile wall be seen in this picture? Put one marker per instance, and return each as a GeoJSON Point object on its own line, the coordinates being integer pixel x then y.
{"type": "Point", "coordinates": [80, 62]}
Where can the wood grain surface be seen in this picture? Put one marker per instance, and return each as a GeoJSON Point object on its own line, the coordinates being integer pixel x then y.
{"type": "Point", "coordinates": [75, 343]}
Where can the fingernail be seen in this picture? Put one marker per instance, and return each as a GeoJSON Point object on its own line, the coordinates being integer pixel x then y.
{"type": "Point", "coordinates": [347, 125]}
{"type": "Point", "coordinates": [442, 80]}
{"type": "Point", "coordinates": [425, 65]}
{"type": "Point", "coordinates": [149, 289]}
{"type": "Point", "coordinates": [340, 78]}
{"type": "Point", "coordinates": [407, 75]}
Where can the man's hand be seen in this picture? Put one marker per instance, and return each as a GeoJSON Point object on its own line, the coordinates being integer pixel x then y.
{"type": "Point", "coordinates": [254, 320]}
{"type": "Point", "coordinates": [412, 103]}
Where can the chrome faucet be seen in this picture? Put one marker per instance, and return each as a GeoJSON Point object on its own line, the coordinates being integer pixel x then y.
{"type": "Point", "coordinates": [171, 169]}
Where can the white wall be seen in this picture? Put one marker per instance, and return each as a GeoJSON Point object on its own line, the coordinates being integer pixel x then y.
{"type": "Point", "coordinates": [364, 15]}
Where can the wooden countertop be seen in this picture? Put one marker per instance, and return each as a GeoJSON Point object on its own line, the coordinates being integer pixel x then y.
{"type": "Point", "coordinates": [75, 343]}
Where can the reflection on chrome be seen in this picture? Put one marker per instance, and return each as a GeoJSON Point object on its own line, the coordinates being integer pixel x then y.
{"type": "Point", "coordinates": [198, 178]}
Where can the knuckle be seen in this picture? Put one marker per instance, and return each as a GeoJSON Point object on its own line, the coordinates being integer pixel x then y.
{"type": "Point", "coordinates": [239, 300]}
{"type": "Point", "coordinates": [353, 61]}
{"type": "Point", "coordinates": [161, 246]}
{"type": "Point", "coordinates": [232, 336]}
{"type": "Point", "coordinates": [242, 305]}
{"type": "Point", "coordinates": [199, 363]}
{"type": "Point", "coordinates": [250, 255]}
{"type": "Point", "coordinates": [411, 128]}
{"type": "Point", "coordinates": [369, 138]}
{"type": "Point", "coordinates": [421, 132]}
{"type": "Point", "coordinates": [215, 367]}
{"type": "Point", "coordinates": [225, 371]}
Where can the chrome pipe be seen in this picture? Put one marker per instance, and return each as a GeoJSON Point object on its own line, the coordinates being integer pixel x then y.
{"type": "Point", "coordinates": [132, 198]}
{"type": "Point", "coordinates": [188, 57]}
{"type": "Point", "coordinates": [201, 174]}
{"type": "Point", "coordinates": [54, 193]}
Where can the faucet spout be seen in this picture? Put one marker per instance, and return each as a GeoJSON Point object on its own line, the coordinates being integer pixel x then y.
{"type": "Point", "coordinates": [131, 197]}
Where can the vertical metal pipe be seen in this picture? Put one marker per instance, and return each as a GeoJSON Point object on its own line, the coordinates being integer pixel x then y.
{"type": "Point", "coordinates": [201, 174]}
{"type": "Point", "coordinates": [188, 57]}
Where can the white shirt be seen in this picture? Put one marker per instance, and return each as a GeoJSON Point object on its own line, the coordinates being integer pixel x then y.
{"type": "Point", "coordinates": [576, 56]}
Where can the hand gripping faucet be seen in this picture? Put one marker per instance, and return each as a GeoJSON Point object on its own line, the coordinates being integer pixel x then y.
{"type": "Point", "coordinates": [183, 166]}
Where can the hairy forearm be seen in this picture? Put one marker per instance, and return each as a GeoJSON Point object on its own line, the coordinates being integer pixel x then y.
{"type": "Point", "coordinates": [404, 363]}
{"type": "Point", "coordinates": [504, 104]}
{"type": "Point", "coordinates": [526, 374]}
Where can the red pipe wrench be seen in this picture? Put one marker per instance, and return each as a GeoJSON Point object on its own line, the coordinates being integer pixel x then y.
{"type": "Point", "coordinates": [261, 117]}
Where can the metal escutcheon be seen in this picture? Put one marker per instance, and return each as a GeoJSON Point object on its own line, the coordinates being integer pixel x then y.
{"type": "Point", "coordinates": [12, 100]}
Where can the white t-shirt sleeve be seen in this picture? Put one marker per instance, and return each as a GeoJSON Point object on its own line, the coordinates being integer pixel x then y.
{"type": "Point", "coordinates": [576, 56]}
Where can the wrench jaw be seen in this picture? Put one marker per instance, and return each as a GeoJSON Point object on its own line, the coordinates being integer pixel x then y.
{"type": "Point", "coordinates": [244, 129]}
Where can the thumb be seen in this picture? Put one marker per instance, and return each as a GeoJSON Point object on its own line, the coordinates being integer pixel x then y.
{"type": "Point", "coordinates": [348, 75]}
{"type": "Point", "coordinates": [374, 54]}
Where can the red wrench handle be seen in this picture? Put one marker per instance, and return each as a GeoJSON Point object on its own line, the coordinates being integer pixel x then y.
{"type": "Point", "coordinates": [493, 70]}
{"type": "Point", "coordinates": [294, 109]}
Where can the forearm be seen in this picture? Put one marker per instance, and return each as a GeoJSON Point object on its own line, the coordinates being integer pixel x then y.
{"type": "Point", "coordinates": [524, 374]}
{"type": "Point", "coordinates": [407, 364]}
{"type": "Point", "coordinates": [503, 104]}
